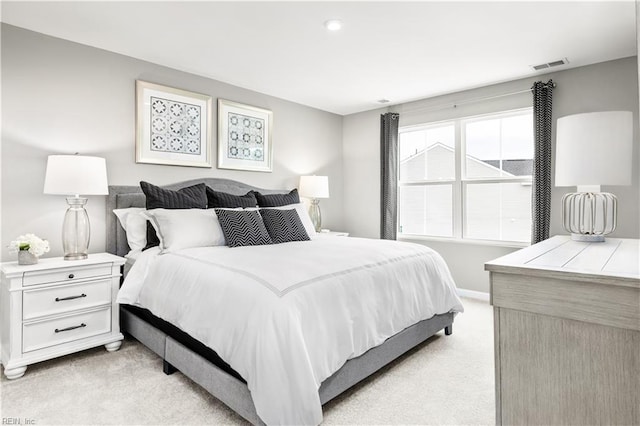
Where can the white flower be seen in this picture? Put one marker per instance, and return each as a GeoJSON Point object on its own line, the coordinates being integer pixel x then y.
{"type": "Point", "coordinates": [35, 245]}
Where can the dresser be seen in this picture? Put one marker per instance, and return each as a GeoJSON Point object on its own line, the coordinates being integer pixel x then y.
{"type": "Point", "coordinates": [567, 333]}
{"type": "Point", "coordinates": [57, 307]}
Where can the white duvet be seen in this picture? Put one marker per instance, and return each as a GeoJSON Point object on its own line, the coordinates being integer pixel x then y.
{"type": "Point", "coordinates": [288, 316]}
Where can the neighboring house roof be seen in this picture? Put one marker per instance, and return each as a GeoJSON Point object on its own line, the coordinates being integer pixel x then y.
{"type": "Point", "coordinates": [421, 152]}
{"type": "Point", "coordinates": [516, 167]}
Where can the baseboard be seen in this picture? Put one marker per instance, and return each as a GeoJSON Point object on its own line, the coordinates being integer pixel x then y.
{"type": "Point", "coordinates": [479, 295]}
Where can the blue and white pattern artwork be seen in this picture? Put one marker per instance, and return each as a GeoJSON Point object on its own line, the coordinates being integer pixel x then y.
{"type": "Point", "coordinates": [175, 127]}
{"type": "Point", "coordinates": [246, 137]}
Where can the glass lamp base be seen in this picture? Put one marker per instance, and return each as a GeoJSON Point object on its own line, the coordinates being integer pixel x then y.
{"type": "Point", "coordinates": [76, 256]}
{"type": "Point", "coordinates": [315, 215]}
{"type": "Point", "coordinates": [75, 230]}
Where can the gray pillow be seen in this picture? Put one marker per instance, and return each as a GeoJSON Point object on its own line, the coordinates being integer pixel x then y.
{"type": "Point", "coordinates": [277, 200]}
{"type": "Point", "coordinates": [191, 197]}
{"type": "Point", "coordinates": [217, 199]}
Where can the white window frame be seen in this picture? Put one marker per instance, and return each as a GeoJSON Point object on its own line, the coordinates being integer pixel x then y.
{"type": "Point", "coordinates": [461, 182]}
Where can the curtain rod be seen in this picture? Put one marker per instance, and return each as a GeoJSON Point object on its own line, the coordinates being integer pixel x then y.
{"type": "Point", "coordinates": [473, 100]}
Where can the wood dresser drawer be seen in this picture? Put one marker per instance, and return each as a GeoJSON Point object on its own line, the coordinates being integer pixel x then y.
{"type": "Point", "coordinates": [65, 298]}
{"type": "Point", "coordinates": [41, 334]}
{"type": "Point", "coordinates": [70, 274]}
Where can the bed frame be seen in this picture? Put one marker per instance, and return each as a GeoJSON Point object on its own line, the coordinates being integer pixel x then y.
{"type": "Point", "coordinates": [225, 387]}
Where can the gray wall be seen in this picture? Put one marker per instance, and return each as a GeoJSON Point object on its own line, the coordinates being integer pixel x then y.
{"type": "Point", "coordinates": [63, 97]}
{"type": "Point", "coordinates": [606, 86]}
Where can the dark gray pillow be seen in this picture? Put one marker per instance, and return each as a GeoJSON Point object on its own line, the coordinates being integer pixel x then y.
{"type": "Point", "coordinates": [216, 199]}
{"type": "Point", "coordinates": [191, 197]}
{"type": "Point", "coordinates": [284, 225]}
{"type": "Point", "coordinates": [243, 228]}
{"type": "Point", "coordinates": [277, 200]}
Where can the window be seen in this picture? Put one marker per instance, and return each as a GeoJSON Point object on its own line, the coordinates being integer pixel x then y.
{"type": "Point", "coordinates": [468, 178]}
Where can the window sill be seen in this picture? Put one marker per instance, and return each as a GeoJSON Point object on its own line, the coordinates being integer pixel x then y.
{"type": "Point", "coordinates": [492, 243]}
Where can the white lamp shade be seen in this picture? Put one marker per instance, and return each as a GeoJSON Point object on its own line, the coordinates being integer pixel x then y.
{"type": "Point", "coordinates": [314, 186]}
{"type": "Point", "coordinates": [594, 149]}
{"type": "Point", "coordinates": [76, 175]}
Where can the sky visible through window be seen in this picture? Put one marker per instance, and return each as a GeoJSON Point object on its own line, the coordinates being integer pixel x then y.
{"type": "Point", "coordinates": [484, 138]}
{"type": "Point", "coordinates": [413, 142]}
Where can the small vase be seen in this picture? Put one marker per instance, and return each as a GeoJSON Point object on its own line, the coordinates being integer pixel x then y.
{"type": "Point", "coordinates": [26, 258]}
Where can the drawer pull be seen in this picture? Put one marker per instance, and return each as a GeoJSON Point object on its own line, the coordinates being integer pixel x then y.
{"type": "Point", "coordinates": [60, 330]}
{"type": "Point", "coordinates": [71, 276]}
{"type": "Point", "coordinates": [60, 299]}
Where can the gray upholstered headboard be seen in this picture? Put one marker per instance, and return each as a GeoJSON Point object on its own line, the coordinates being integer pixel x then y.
{"type": "Point", "coordinates": [121, 197]}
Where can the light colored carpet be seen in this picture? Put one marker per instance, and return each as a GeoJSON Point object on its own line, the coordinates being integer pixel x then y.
{"type": "Point", "coordinates": [447, 380]}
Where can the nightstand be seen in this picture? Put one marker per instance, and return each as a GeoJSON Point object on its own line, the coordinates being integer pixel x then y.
{"type": "Point", "coordinates": [334, 233]}
{"type": "Point", "coordinates": [58, 307]}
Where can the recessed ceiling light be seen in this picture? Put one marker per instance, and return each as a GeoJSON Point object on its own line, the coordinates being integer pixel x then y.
{"type": "Point", "coordinates": [383, 101]}
{"type": "Point", "coordinates": [333, 24]}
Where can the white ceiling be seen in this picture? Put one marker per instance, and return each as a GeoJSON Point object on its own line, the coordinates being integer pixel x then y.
{"type": "Point", "coordinates": [400, 51]}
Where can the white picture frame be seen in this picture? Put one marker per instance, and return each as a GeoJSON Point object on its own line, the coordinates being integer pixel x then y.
{"type": "Point", "coordinates": [173, 126]}
{"type": "Point", "coordinates": [244, 137]}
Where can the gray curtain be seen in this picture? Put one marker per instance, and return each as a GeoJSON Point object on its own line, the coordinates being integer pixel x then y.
{"type": "Point", "coordinates": [389, 175]}
{"type": "Point", "coordinates": [541, 191]}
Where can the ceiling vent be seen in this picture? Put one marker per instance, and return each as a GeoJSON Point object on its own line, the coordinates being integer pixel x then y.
{"type": "Point", "coordinates": [552, 64]}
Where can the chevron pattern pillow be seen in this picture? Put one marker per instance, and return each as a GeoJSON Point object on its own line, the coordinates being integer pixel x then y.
{"type": "Point", "coordinates": [284, 225]}
{"type": "Point", "coordinates": [243, 228]}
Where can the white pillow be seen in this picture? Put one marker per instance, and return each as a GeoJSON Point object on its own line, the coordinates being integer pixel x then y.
{"type": "Point", "coordinates": [135, 225]}
{"type": "Point", "coordinates": [302, 211]}
{"type": "Point", "coordinates": [184, 228]}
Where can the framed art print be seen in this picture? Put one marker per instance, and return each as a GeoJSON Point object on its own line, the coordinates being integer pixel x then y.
{"type": "Point", "coordinates": [244, 137]}
{"type": "Point", "coordinates": [173, 126]}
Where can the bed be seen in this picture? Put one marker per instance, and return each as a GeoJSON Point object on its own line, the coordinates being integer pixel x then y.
{"type": "Point", "coordinates": [195, 359]}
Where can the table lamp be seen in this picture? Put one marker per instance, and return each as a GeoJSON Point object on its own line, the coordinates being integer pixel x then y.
{"type": "Point", "coordinates": [314, 188]}
{"type": "Point", "coordinates": [592, 149]}
{"type": "Point", "coordinates": [76, 175]}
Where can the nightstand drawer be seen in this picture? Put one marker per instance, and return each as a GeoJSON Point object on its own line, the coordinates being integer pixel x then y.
{"type": "Point", "coordinates": [69, 274]}
{"type": "Point", "coordinates": [65, 298]}
{"type": "Point", "coordinates": [38, 335]}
